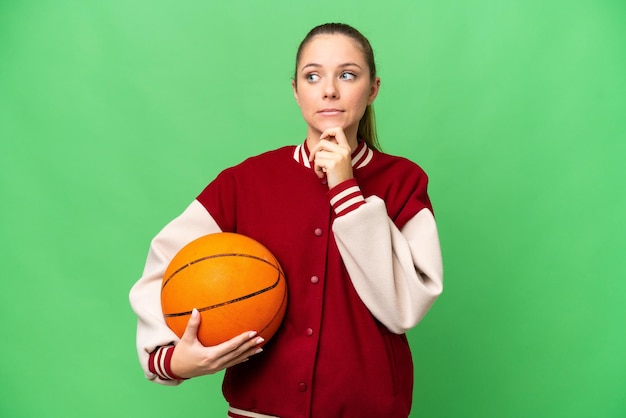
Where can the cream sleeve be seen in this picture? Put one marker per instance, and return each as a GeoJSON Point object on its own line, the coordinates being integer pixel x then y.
{"type": "Point", "coordinates": [145, 295]}
{"type": "Point", "coordinates": [398, 273]}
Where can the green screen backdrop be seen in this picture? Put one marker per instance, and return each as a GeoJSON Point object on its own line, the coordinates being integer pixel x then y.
{"type": "Point", "coordinates": [114, 115]}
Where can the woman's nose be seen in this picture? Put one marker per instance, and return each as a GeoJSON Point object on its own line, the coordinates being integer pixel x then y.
{"type": "Point", "coordinates": [330, 90]}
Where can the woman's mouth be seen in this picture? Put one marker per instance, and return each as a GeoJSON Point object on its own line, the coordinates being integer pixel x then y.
{"type": "Point", "coordinates": [329, 112]}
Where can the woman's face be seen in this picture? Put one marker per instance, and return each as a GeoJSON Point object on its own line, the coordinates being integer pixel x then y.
{"type": "Point", "coordinates": [333, 85]}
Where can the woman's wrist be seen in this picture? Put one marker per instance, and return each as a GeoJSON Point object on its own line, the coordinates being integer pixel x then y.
{"type": "Point", "coordinates": [346, 197]}
{"type": "Point", "coordinates": [160, 363]}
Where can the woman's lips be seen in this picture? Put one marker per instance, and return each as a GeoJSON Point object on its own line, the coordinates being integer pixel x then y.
{"type": "Point", "coordinates": [329, 112]}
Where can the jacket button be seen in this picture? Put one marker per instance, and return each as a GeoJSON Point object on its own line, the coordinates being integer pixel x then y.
{"type": "Point", "coordinates": [318, 232]}
{"type": "Point", "coordinates": [309, 332]}
{"type": "Point", "coordinates": [315, 279]}
{"type": "Point", "coordinates": [302, 386]}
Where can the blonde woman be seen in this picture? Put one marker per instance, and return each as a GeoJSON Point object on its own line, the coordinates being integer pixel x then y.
{"type": "Point", "coordinates": [354, 231]}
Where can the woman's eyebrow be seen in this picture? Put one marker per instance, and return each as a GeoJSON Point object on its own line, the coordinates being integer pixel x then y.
{"type": "Point", "coordinates": [315, 65]}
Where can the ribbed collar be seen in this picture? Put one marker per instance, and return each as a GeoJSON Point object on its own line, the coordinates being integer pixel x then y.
{"type": "Point", "coordinates": [361, 156]}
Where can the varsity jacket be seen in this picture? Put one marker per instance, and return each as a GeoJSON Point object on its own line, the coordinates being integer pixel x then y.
{"type": "Point", "coordinates": [363, 266]}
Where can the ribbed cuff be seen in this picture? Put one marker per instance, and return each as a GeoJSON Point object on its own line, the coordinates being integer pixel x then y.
{"type": "Point", "coordinates": [346, 197]}
{"type": "Point", "coordinates": [159, 363]}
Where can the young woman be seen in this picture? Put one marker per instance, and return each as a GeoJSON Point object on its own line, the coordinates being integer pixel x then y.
{"type": "Point", "coordinates": [354, 231]}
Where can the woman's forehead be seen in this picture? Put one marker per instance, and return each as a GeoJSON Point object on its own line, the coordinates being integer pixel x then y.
{"type": "Point", "coordinates": [331, 49]}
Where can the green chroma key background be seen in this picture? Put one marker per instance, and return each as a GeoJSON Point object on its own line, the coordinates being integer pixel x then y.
{"type": "Point", "coordinates": [114, 115]}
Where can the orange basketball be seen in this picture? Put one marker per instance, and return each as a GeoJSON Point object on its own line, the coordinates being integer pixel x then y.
{"type": "Point", "coordinates": [235, 283]}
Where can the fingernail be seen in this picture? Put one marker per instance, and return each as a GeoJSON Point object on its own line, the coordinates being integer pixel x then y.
{"type": "Point", "coordinates": [194, 313]}
{"type": "Point", "coordinates": [260, 340]}
{"type": "Point", "coordinates": [252, 334]}
{"type": "Point", "coordinates": [258, 351]}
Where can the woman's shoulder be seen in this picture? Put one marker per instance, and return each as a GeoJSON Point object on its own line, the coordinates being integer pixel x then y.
{"type": "Point", "coordinates": [271, 157]}
{"type": "Point", "coordinates": [275, 154]}
{"type": "Point", "coordinates": [395, 162]}
{"type": "Point", "coordinates": [254, 168]}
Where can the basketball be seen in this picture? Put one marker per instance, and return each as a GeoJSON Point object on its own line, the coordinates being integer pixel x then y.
{"type": "Point", "coordinates": [235, 283]}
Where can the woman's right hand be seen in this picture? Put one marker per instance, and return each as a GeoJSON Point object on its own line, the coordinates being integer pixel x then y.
{"type": "Point", "coordinates": [191, 358]}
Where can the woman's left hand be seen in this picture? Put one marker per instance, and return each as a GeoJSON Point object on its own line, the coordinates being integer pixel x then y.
{"type": "Point", "coordinates": [332, 157]}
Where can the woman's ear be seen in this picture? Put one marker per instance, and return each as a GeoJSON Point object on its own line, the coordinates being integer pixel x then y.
{"type": "Point", "coordinates": [374, 90]}
{"type": "Point", "coordinates": [294, 86]}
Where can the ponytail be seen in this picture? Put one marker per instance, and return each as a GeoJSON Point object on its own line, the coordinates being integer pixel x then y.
{"type": "Point", "coordinates": [367, 129]}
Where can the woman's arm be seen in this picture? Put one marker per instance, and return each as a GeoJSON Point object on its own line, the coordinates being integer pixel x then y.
{"type": "Point", "coordinates": [398, 273]}
{"type": "Point", "coordinates": [145, 296]}
{"type": "Point", "coordinates": [165, 358]}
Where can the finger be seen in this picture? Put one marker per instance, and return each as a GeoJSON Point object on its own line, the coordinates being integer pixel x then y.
{"type": "Point", "coordinates": [332, 134]}
{"type": "Point", "coordinates": [238, 343]}
{"type": "Point", "coordinates": [191, 331]}
{"type": "Point", "coordinates": [241, 353]}
{"type": "Point", "coordinates": [321, 146]}
{"type": "Point", "coordinates": [319, 163]}
{"type": "Point", "coordinates": [337, 135]}
{"type": "Point", "coordinates": [325, 159]}
{"type": "Point", "coordinates": [246, 350]}
{"type": "Point", "coordinates": [243, 357]}
{"type": "Point", "coordinates": [320, 171]}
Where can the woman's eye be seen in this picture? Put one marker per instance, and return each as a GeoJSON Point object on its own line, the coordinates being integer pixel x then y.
{"type": "Point", "coordinates": [347, 76]}
{"type": "Point", "coordinates": [312, 77]}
